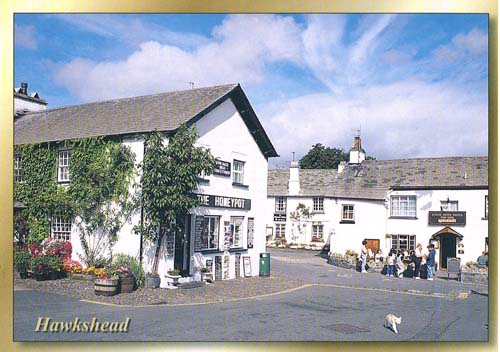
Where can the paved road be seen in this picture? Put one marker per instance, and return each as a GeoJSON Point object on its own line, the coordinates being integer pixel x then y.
{"type": "Point", "coordinates": [316, 312]}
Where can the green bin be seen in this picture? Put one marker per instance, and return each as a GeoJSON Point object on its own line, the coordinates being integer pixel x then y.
{"type": "Point", "coordinates": [265, 264]}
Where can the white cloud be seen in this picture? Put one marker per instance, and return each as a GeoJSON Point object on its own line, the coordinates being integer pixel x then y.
{"type": "Point", "coordinates": [24, 36]}
{"type": "Point", "coordinates": [475, 41]}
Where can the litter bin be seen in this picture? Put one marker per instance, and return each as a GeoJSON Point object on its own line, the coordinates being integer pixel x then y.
{"type": "Point", "coordinates": [264, 264]}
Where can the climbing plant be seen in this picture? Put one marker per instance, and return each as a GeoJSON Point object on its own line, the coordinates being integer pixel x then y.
{"type": "Point", "coordinates": [169, 179]}
{"type": "Point", "coordinates": [97, 197]}
{"type": "Point", "coordinates": [300, 217]}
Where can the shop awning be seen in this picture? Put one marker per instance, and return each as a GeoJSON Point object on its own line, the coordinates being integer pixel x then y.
{"type": "Point", "coordinates": [447, 230]}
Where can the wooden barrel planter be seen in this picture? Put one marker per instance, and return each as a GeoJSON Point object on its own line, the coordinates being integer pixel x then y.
{"type": "Point", "coordinates": [127, 284]}
{"type": "Point", "coordinates": [106, 287]}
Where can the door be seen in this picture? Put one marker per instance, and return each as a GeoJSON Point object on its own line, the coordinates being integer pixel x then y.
{"type": "Point", "coordinates": [182, 255]}
{"type": "Point", "coordinates": [448, 248]}
{"type": "Point", "coordinates": [373, 244]}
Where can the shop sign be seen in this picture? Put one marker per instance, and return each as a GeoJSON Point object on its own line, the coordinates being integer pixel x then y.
{"type": "Point", "coordinates": [222, 168]}
{"type": "Point", "coordinates": [208, 200]}
{"type": "Point", "coordinates": [279, 217]}
{"type": "Point", "coordinates": [447, 218]}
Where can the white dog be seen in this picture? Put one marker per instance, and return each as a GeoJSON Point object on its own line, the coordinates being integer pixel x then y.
{"type": "Point", "coordinates": [391, 320]}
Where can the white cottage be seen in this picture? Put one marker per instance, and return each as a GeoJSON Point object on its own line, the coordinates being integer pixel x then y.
{"type": "Point", "coordinates": [229, 224]}
{"type": "Point", "coordinates": [391, 203]}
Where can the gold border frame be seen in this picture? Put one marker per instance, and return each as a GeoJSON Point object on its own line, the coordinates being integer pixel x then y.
{"type": "Point", "coordinates": [9, 7]}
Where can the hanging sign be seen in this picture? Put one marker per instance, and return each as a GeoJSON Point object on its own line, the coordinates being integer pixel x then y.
{"type": "Point", "coordinates": [222, 168]}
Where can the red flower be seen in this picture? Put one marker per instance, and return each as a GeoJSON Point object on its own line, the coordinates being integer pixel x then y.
{"type": "Point", "coordinates": [40, 267]}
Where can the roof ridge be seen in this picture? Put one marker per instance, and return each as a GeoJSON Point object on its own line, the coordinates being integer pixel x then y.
{"type": "Point", "coordinates": [234, 85]}
{"type": "Point", "coordinates": [426, 158]}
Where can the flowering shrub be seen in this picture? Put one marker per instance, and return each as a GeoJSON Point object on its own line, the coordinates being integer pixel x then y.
{"type": "Point", "coordinates": [123, 271]}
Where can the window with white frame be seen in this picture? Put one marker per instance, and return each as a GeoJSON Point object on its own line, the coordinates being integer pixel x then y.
{"type": "Point", "coordinates": [238, 171]}
{"type": "Point", "coordinates": [317, 232]}
{"type": "Point", "coordinates": [404, 206]}
{"type": "Point", "coordinates": [280, 205]}
{"type": "Point", "coordinates": [449, 205]}
{"type": "Point", "coordinates": [18, 173]}
{"type": "Point", "coordinates": [236, 232]}
{"type": "Point", "coordinates": [60, 227]}
{"type": "Point", "coordinates": [210, 233]}
{"type": "Point", "coordinates": [347, 212]}
{"type": "Point", "coordinates": [63, 166]}
{"type": "Point", "coordinates": [280, 230]}
{"type": "Point", "coordinates": [403, 242]}
{"type": "Point", "coordinates": [486, 207]}
{"type": "Point", "coordinates": [318, 204]}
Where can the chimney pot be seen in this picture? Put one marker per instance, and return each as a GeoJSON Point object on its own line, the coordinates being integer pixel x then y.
{"type": "Point", "coordinates": [24, 88]}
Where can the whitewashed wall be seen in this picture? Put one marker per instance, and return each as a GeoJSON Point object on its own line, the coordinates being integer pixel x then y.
{"type": "Point", "coordinates": [20, 103]}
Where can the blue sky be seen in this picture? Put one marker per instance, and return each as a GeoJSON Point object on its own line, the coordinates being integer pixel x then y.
{"type": "Point", "coordinates": [416, 84]}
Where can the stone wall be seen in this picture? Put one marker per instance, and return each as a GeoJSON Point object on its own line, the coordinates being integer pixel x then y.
{"type": "Point", "coordinates": [472, 275]}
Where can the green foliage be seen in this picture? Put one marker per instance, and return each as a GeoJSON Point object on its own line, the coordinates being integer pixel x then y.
{"type": "Point", "coordinates": [321, 157]}
{"type": "Point", "coordinates": [173, 272]}
{"type": "Point", "coordinates": [131, 263]}
{"type": "Point", "coordinates": [169, 179]}
{"type": "Point", "coordinates": [22, 260]}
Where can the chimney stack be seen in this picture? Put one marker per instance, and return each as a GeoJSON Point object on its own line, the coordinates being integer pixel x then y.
{"type": "Point", "coordinates": [293, 181]}
{"type": "Point", "coordinates": [24, 88]}
{"type": "Point", "coordinates": [356, 153]}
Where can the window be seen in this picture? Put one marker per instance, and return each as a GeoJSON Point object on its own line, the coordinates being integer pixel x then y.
{"type": "Point", "coordinates": [486, 207]}
{"type": "Point", "coordinates": [238, 170]}
{"type": "Point", "coordinates": [60, 228]}
{"type": "Point", "coordinates": [317, 204]}
{"type": "Point", "coordinates": [236, 231]}
{"type": "Point", "coordinates": [404, 206]}
{"type": "Point", "coordinates": [449, 205]}
{"type": "Point", "coordinates": [210, 234]}
{"type": "Point", "coordinates": [280, 230]}
{"type": "Point", "coordinates": [317, 232]}
{"type": "Point", "coordinates": [348, 212]}
{"type": "Point", "coordinates": [280, 205]}
{"type": "Point", "coordinates": [403, 242]}
{"type": "Point", "coordinates": [18, 175]}
{"type": "Point", "coordinates": [63, 166]}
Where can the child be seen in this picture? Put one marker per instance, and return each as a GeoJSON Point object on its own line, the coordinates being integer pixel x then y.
{"type": "Point", "coordinates": [390, 263]}
{"type": "Point", "coordinates": [399, 264]}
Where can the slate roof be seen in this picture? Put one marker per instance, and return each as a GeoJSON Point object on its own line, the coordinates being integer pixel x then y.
{"type": "Point", "coordinates": [162, 112]}
{"type": "Point", "coordinates": [373, 178]}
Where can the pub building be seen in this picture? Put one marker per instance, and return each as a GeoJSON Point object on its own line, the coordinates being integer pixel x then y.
{"type": "Point", "coordinates": [227, 229]}
{"type": "Point", "coordinates": [390, 203]}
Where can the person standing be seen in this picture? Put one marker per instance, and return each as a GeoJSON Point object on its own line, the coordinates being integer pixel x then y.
{"type": "Point", "coordinates": [418, 260]}
{"type": "Point", "coordinates": [364, 252]}
{"type": "Point", "coordinates": [431, 261]}
{"type": "Point", "coordinates": [390, 262]}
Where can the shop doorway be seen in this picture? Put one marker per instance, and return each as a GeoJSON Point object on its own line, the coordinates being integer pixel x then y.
{"type": "Point", "coordinates": [182, 257]}
{"type": "Point", "coordinates": [447, 238]}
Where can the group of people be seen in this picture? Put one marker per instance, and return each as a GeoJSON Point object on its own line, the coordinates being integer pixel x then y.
{"type": "Point", "coordinates": [394, 260]}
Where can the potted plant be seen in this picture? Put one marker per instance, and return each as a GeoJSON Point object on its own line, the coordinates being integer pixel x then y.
{"type": "Point", "coordinates": [22, 263]}
{"type": "Point", "coordinates": [106, 285]}
{"type": "Point", "coordinates": [54, 264]}
{"type": "Point", "coordinates": [40, 268]}
{"type": "Point", "coordinates": [173, 277]}
{"type": "Point", "coordinates": [127, 279]}
{"type": "Point", "coordinates": [152, 280]}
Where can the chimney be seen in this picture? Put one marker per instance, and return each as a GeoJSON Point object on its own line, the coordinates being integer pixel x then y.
{"type": "Point", "coordinates": [24, 88]}
{"type": "Point", "coordinates": [293, 181]}
{"type": "Point", "coordinates": [356, 153]}
{"type": "Point", "coordinates": [341, 166]}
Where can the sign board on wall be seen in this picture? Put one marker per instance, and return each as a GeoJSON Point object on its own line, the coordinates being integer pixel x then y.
{"type": "Point", "coordinates": [222, 168]}
{"type": "Point", "coordinates": [279, 217]}
{"type": "Point", "coordinates": [250, 229]}
{"type": "Point", "coordinates": [208, 200]}
{"type": "Point", "coordinates": [447, 218]}
{"type": "Point", "coordinates": [198, 233]}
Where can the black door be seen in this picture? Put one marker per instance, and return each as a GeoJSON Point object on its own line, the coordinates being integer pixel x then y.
{"type": "Point", "coordinates": [448, 248]}
{"type": "Point", "coordinates": [182, 257]}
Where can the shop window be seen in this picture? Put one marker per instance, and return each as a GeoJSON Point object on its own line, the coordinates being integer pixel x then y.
{"type": "Point", "coordinates": [238, 172]}
{"type": "Point", "coordinates": [403, 242]}
{"type": "Point", "coordinates": [63, 166]}
{"type": "Point", "coordinates": [236, 231]}
{"type": "Point", "coordinates": [280, 230]}
{"type": "Point", "coordinates": [318, 204]}
{"type": "Point", "coordinates": [404, 206]}
{"type": "Point", "coordinates": [280, 205]}
{"type": "Point", "coordinates": [449, 205]}
{"type": "Point", "coordinates": [347, 213]}
{"type": "Point", "coordinates": [210, 234]}
{"type": "Point", "coordinates": [60, 227]}
{"type": "Point", "coordinates": [317, 232]}
{"type": "Point", "coordinates": [18, 174]}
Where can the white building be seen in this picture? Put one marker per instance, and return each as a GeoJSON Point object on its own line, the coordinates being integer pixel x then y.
{"type": "Point", "coordinates": [24, 101]}
{"type": "Point", "coordinates": [230, 222]}
{"type": "Point", "coordinates": [391, 203]}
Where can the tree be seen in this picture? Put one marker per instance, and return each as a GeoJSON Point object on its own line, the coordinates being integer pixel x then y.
{"type": "Point", "coordinates": [321, 157]}
{"type": "Point", "coordinates": [169, 178]}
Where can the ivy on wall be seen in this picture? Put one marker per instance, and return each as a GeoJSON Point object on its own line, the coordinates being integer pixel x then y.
{"type": "Point", "coordinates": [97, 197]}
